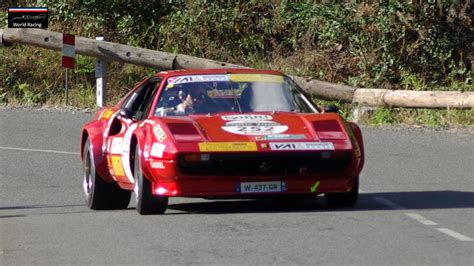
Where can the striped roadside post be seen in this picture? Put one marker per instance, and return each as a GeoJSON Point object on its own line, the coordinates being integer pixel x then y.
{"type": "Point", "coordinates": [69, 54]}
{"type": "Point", "coordinates": [100, 78]}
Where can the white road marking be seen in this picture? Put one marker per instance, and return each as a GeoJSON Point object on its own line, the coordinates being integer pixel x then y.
{"type": "Point", "coordinates": [37, 150]}
{"type": "Point", "coordinates": [454, 234]}
{"type": "Point", "coordinates": [419, 218]}
{"type": "Point", "coordinates": [388, 203]}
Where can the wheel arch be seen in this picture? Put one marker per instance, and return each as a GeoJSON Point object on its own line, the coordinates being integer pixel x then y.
{"type": "Point", "coordinates": [84, 137]}
{"type": "Point", "coordinates": [96, 140]}
{"type": "Point", "coordinates": [360, 141]}
{"type": "Point", "coordinates": [139, 139]}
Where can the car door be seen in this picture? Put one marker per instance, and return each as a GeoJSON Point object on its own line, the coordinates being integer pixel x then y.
{"type": "Point", "coordinates": [134, 109]}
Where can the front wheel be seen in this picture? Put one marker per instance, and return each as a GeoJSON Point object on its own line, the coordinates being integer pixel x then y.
{"type": "Point", "coordinates": [345, 199]}
{"type": "Point", "coordinates": [147, 203]}
{"type": "Point", "coordinates": [100, 195]}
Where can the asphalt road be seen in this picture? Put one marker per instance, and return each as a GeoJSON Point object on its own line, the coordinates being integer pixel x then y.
{"type": "Point", "coordinates": [417, 207]}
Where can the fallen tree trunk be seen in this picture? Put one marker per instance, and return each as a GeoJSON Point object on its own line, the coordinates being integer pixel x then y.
{"type": "Point", "coordinates": [414, 99]}
{"type": "Point", "coordinates": [167, 61]}
{"type": "Point", "coordinates": [111, 51]}
{"type": "Point", "coordinates": [326, 90]}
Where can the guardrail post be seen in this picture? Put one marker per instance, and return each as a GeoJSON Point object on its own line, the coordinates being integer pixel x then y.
{"type": "Point", "coordinates": [100, 75]}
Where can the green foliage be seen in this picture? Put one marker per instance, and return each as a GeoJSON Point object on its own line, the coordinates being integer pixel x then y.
{"type": "Point", "coordinates": [27, 94]}
{"type": "Point", "coordinates": [383, 116]}
{"type": "Point", "coordinates": [3, 19]}
{"type": "Point", "coordinates": [391, 44]}
{"type": "Point", "coordinates": [84, 65]}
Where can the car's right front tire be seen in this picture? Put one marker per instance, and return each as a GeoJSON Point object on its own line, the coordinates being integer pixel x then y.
{"type": "Point", "coordinates": [147, 203]}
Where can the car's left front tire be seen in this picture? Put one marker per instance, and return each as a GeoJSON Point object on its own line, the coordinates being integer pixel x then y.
{"type": "Point", "coordinates": [345, 199]}
{"type": "Point", "coordinates": [99, 194]}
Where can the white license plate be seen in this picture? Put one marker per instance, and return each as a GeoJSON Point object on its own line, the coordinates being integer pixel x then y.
{"type": "Point", "coordinates": [261, 187]}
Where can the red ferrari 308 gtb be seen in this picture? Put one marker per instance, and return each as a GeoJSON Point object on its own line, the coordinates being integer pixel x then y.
{"type": "Point", "coordinates": [218, 133]}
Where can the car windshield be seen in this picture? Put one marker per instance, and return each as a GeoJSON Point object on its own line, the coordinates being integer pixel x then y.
{"type": "Point", "coordinates": [208, 94]}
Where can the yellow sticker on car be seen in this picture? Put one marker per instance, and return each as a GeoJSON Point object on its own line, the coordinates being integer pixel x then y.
{"type": "Point", "coordinates": [106, 114]}
{"type": "Point", "coordinates": [256, 78]}
{"type": "Point", "coordinates": [227, 146]}
{"type": "Point", "coordinates": [117, 165]}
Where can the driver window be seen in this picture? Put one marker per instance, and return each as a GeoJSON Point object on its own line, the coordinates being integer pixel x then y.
{"type": "Point", "coordinates": [140, 101]}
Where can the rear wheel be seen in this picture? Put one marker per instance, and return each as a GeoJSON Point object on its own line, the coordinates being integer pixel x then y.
{"type": "Point", "coordinates": [345, 199]}
{"type": "Point", "coordinates": [147, 203]}
{"type": "Point", "coordinates": [99, 194]}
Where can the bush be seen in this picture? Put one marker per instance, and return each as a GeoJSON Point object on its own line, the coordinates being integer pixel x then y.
{"type": "Point", "coordinates": [389, 44]}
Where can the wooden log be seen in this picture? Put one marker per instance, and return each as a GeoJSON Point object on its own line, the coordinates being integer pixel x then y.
{"type": "Point", "coordinates": [111, 51]}
{"type": "Point", "coordinates": [2, 41]}
{"type": "Point", "coordinates": [326, 90]}
{"type": "Point", "coordinates": [430, 99]}
{"type": "Point", "coordinates": [414, 99]}
{"type": "Point", "coordinates": [369, 97]}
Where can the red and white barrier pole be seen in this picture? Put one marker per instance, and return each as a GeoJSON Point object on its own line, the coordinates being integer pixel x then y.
{"type": "Point", "coordinates": [100, 78]}
{"type": "Point", "coordinates": [69, 53]}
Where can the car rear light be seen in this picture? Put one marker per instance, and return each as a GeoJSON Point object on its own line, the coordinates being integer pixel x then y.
{"type": "Point", "coordinates": [328, 129]}
{"type": "Point", "coordinates": [184, 132]}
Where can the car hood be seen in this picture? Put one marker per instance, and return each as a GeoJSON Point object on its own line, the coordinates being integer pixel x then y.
{"type": "Point", "coordinates": [279, 126]}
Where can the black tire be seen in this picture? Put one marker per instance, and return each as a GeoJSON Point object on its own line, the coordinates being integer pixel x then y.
{"type": "Point", "coordinates": [345, 199]}
{"type": "Point", "coordinates": [147, 203]}
{"type": "Point", "coordinates": [99, 194]}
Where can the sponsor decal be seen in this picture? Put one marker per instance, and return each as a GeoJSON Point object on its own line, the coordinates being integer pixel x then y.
{"type": "Point", "coordinates": [149, 122]}
{"type": "Point", "coordinates": [227, 93]}
{"type": "Point", "coordinates": [256, 78]}
{"type": "Point", "coordinates": [157, 150]}
{"type": "Point", "coordinates": [28, 17]}
{"type": "Point", "coordinates": [298, 146]}
{"type": "Point", "coordinates": [117, 165]}
{"type": "Point", "coordinates": [314, 187]}
{"type": "Point", "coordinates": [159, 133]}
{"type": "Point", "coordinates": [227, 146]}
{"type": "Point", "coordinates": [158, 165]}
{"type": "Point", "coordinates": [116, 146]}
{"type": "Point", "coordinates": [197, 78]}
{"type": "Point", "coordinates": [106, 114]}
{"type": "Point", "coordinates": [281, 137]}
{"type": "Point", "coordinates": [254, 128]}
{"type": "Point", "coordinates": [246, 117]}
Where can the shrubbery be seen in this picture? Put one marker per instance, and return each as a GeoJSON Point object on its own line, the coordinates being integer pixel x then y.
{"type": "Point", "coordinates": [389, 44]}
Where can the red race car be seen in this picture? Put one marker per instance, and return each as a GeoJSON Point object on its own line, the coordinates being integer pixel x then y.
{"type": "Point", "coordinates": [218, 133]}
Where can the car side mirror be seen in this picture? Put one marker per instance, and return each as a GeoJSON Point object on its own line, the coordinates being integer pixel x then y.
{"type": "Point", "coordinates": [330, 109]}
{"type": "Point", "coordinates": [126, 113]}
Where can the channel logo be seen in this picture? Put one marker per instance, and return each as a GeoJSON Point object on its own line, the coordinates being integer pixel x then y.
{"type": "Point", "coordinates": [28, 17]}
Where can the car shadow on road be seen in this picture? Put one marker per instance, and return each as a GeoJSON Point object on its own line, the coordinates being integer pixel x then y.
{"type": "Point", "coordinates": [367, 202]}
{"type": "Point", "coordinates": [38, 206]}
{"type": "Point", "coordinates": [37, 209]}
